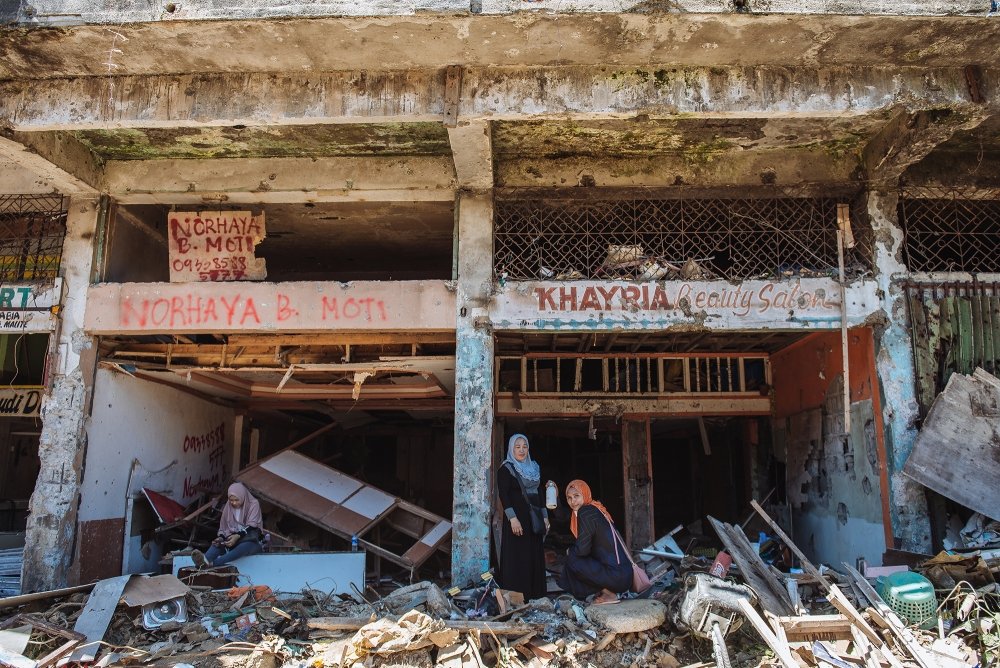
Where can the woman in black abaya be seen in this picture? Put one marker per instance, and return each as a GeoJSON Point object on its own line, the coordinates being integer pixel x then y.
{"type": "Point", "coordinates": [522, 560]}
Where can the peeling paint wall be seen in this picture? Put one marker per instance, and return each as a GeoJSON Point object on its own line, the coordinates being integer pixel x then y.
{"type": "Point", "coordinates": [473, 391]}
{"type": "Point", "coordinates": [894, 359]}
{"type": "Point", "coordinates": [143, 434]}
{"type": "Point", "coordinates": [52, 519]}
{"type": "Point", "coordinates": [833, 480]}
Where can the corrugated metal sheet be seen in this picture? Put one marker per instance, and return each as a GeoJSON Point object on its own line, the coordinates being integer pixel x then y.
{"type": "Point", "coordinates": [11, 561]}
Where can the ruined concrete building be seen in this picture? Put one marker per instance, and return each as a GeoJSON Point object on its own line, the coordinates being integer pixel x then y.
{"type": "Point", "coordinates": [700, 252]}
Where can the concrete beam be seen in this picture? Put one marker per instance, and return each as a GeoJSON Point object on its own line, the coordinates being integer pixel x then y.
{"type": "Point", "coordinates": [72, 12]}
{"type": "Point", "coordinates": [43, 158]}
{"type": "Point", "coordinates": [525, 39]}
{"type": "Point", "coordinates": [807, 165]}
{"type": "Point", "coordinates": [472, 151]}
{"type": "Point", "coordinates": [909, 137]}
{"type": "Point", "coordinates": [487, 94]}
{"type": "Point", "coordinates": [425, 178]}
{"type": "Point", "coordinates": [17, 179]}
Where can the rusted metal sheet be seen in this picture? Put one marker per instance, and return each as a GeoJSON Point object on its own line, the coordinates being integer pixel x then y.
{"type": "Point", "coordinates": [343, 505]}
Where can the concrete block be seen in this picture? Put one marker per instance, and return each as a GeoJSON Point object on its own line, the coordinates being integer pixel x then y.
{"type": "Point", "coordinates": [628, 616]}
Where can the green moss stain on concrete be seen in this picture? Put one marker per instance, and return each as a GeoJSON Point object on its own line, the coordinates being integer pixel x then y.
{"type": "Point", "coordinates": [364, 139]}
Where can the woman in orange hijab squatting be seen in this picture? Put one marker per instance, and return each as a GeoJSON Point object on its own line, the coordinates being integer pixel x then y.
{"type": "Point", "coordinates": [596, 563]}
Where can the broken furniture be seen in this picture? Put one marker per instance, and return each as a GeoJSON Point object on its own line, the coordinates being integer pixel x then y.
{"type": "Point", "coordinates": [710, 608]}
{"type": "Point", "coordinates": [346, 506]}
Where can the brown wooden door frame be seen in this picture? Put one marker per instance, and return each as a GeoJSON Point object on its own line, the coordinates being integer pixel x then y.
{"type": "Point", "coordinates": [638, 481]}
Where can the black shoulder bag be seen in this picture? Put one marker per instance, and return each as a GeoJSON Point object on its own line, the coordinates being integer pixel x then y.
{"type": "Point", "coordinates": [537, 518]}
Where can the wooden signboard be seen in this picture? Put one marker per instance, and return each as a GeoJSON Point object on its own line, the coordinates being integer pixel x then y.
{"type": "Point", "coordinates": [215, 246]}
{"type": "Point", "coordinates": [23, 401]}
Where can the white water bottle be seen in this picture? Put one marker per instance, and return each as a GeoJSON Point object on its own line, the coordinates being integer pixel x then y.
{"type": "Point", "coordinates": [551, 495]}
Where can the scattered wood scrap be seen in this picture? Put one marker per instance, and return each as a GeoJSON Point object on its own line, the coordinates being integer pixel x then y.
{"type": "Point", "coordinates": [772, 593]}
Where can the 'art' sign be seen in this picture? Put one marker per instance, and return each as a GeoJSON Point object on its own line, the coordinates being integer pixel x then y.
{"type": "Point", "coordinates": [29, 308]}
{"type": "Point", "coordinates": [215, 246]}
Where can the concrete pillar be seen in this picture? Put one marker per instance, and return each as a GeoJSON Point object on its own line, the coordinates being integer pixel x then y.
{"type": "Point", "coordinates": [894, 362]}
{"type": "Point", "coordinates": [52, 512]}
{"type": "Point", "coordinates": [473, 390]}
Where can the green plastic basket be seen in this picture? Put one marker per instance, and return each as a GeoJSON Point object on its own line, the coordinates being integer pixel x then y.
{"type": "Point", "coordinates": [911, 596]}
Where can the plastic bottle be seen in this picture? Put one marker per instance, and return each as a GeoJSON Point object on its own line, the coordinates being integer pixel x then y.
{"type": "Point", "coordinates": [354, 543]}
{"type": "Point", "coordinates": [551, 495]}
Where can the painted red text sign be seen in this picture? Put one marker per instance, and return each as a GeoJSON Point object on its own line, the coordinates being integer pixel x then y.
{"type": "Point", "coordinates": [195, 310]}
{"type": "Point", "coordinates": [215, 246]}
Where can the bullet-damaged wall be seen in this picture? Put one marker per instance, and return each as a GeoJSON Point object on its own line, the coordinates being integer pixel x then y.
{"type": "Point", "coordinates": [834, 480]}
{"type": "Point", "coordinates": [143, 434]}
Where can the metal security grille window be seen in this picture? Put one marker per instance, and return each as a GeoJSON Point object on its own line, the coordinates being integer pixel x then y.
{"type": "Point", "coordinates": [951, 230]}
{"type": "Point", "coordinates": [547, 238]}
{"type": "Point", "coordinates": [32, 228]}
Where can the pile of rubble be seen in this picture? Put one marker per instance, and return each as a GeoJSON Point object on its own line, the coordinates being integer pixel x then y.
{"type": "Point", "coordinates": [753, 615]}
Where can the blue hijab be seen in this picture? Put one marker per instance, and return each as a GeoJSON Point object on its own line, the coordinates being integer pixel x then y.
{"type": "Point", "coordinates": [528, 469]}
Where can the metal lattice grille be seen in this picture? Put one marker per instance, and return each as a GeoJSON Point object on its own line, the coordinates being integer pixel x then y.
{"type": "Point", "coordinates": [953, 230]}
{"type": "Point", "coordinates": [651, 239]}
{"type": "Point", "coordinates": [32, 228]}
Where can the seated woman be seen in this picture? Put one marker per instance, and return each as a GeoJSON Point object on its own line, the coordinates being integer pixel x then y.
{"type": "Point", "coordinates": [597, 563]}
{"type": "Point", "coordinates": [241, 530]}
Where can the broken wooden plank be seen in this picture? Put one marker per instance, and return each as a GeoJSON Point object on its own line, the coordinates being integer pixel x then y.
{"type": "Point", "coordinates": [864, 648]}
{"type": "Point", "coordinates": [807, 628]}
{"type": "Point", "coordinates": [15, 601]}
{"type": "Point", "coordinates": [461, 625]}
{"type": "Point", "coordinates": [806, 564]}
{"type": "Point", "coordinates": [772, 594]}
{"type": "Point", "coordinates": [781, 650]}
{"type": "Point", "coordinates": [53, 657]}
{"type": "Point", "coordinates": [900, 631]}
{"type": "Point", "coordinates": [840, 602]}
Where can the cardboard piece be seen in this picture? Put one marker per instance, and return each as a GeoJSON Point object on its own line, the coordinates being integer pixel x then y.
{"type": "Point", "coordinates": [145, 590]}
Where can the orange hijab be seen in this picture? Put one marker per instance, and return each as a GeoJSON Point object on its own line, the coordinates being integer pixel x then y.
{"type": "Point", "coordinates": [588, 500]}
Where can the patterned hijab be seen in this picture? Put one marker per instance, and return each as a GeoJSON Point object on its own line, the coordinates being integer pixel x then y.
{"type": "Point", "coordinates": [588, 500]}
{"type": "Point", "coordinates": [235, 520]}
{"type": "Point", "coordinates": [528, 469]}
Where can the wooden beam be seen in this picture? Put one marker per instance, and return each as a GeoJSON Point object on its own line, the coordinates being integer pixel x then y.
{"type": "Point", "coordinates": [460, 625]}
{"type": "Point", "coordinates": [637, 468]}
{"type": "Point", "coordinates": [781, 650]}
{"type": "Point", "coordinates": [806, 564]}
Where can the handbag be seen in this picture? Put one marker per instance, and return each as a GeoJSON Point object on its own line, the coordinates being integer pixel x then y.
{"type": "Point", "coordinates": [537, 518]}
{"type": "Point", "coordinates": [640, 581]}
